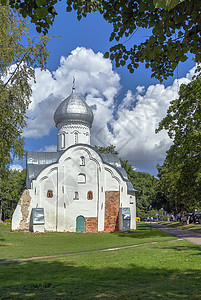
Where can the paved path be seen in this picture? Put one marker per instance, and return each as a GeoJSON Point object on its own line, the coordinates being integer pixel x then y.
{"type": "Point", "coordinates": [187, 235]}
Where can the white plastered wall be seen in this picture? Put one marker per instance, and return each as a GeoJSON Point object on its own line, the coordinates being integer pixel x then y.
{"type": "Point", "coordinates": [70, 169]}
{"type": "Point", "coordinates": [62, 209]}
{"type": "Point", "coordinates": [66, 135]}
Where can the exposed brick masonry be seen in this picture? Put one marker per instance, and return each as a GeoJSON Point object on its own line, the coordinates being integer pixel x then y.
{"type": "Point", "coordinates": [25, 203]}
{"type": "Point", "coordinates": [91, 224]}
{"type": "Point", "coordinates": [111, 211]}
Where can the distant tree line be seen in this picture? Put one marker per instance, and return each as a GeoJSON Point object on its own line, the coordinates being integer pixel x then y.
{"type": "Point", "coordinates": [11, 188]}
{"type": "Point", "coordinates": [144, 183]}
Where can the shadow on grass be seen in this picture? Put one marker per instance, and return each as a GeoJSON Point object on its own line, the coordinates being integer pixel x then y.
{"type": "Point", "coordinates": [190, 248]}
{"type": "Point", "coordinates": [143, 231]}
{"type": "Point", "coordinates": [63, 280]}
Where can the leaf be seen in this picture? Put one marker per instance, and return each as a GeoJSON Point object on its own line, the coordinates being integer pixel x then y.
{"type": "Point", "coordinates": [42, 12]}
{"type": "Point", "coordinates": [4, 2]}
{"type": "Point", "coordinates": [40, 2]}
{"type": "Point", "coordinates": [166, 4]}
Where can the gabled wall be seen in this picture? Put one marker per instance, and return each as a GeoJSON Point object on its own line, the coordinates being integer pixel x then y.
{"type": "Point", "coordinates": [70, 176]}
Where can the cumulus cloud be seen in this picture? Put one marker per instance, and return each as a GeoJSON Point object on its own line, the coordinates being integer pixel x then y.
{"type": "Point", "coordinates": [16, 168]}
{"type": "Point", "coordinates": [94, 79]}
{"type": "Point", "coordinates": [130, 125]}
{"type": "Point", "coordinates": [50, 148]}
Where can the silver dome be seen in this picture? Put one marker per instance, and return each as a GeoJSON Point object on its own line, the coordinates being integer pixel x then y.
{"type": "Point", "coordinates": [73, 109]}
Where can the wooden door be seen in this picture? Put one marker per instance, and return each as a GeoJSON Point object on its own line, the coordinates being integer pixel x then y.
{"type": "Point", "coordinates": [80, 223]}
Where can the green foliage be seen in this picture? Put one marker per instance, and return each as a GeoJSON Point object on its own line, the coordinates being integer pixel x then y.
{"type": "Point", "coordinates": [167, 4]}
{"type": "Point", "coordinates": [108, 149]}
{"type": "Point", "coordinates": [11, 189]}
{"type": "Point", "coordinates": [180, 175]}
{"type": "Point", "coordinates": [17, 62]}
{"type": "Point", "coordinates": [145, 185]}
{"type": "Point", "coordinates": [41, 12]}
{"type": "Point", "coordinates": [175, 29]}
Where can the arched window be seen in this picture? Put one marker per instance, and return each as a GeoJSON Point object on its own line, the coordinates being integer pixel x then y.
{"type": "Point", "coordinates": [90, 195]}
{"type": "Point", "coordinates": [131, 200]}
{"type": "Point", "coordinates": [76, 137]}
{"type": "Point", "coordinates": [82, 161]}
{"type": "Point", "coordinates": [63, 140]}
{"type": "Point", "coordinates": [81, 178]}
{"type": "Point", "coordinates": [49, 194]}
{"type": "Point", "coordinates": [76, 196]}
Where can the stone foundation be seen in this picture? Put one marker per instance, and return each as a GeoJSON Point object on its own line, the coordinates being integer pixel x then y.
{"type": "Point", "coordinates": [91, 224]}
{"type": "Point", "coordinates": [24, 203]}
{"type": "Point", "coordinates": [111, 211]}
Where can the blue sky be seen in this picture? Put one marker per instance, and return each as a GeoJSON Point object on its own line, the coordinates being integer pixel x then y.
{"type": "Point", "coordinates": [127, 107]}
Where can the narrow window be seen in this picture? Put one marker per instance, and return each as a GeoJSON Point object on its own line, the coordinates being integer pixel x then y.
{"type": "Point", "coordinates": [49, 194]}
{"type": "Point", "coordinates": [82, 161]}
{"type": "Point", "coordinates": [81, 178]}
{"type": "Point", "coordinates": [89, 195]}
{"type": "Point", "coordinates": [63, 140]}
{"type": "Point", "coordinates": [131, 200]}
{"type": "Point", "coordinates": [76, 137]}
{"type": "Point", "coordinates": [76, 196]}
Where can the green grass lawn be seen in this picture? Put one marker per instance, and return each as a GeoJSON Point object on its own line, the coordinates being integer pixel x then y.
{"type": "Point", "coordinates": [194, 227]}
{"type": "Point", "coordinates": [169, 269]}
{"type": "Point", "coordinates": [27, 244]}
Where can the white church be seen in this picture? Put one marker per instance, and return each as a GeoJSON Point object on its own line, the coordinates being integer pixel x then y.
{"type": "Point", "coordinates": [76, 188]}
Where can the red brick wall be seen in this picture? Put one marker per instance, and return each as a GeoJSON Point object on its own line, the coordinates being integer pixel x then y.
{"type": "Point", "coordinates": [111, 211]}
{"type": "Point", "coordinates": [91, 224]}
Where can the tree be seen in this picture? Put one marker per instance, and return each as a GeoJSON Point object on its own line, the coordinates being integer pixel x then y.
{"type": "Point", "coordinates": [145, 185]}
{"type": "Point", "coordinates": [11, 189]}
{"type": "Point", "coordinates": [172, 32]}
{"type": "Point", "coordinates": [168, 190]}
{"type": "Point", "coordinates": [17, 62]}
{"type": "Point", "coordinates": [108, 149]}
{"type": "Point", "coordinates": [182, 167]}
{"type": "Point", "coordinates": [143, 182]}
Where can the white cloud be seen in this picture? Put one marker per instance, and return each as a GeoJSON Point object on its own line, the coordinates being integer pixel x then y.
{"type": "Point", "coordinates": [130, 126]}
{"type": "Point", "coordinates": [16, 168]}
{"type": "Point", "coordinates": [94, 78]}
{"type": "Point", "coordinates": [50, 148]}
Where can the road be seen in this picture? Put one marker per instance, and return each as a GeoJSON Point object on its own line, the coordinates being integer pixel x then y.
{"type": "Point", "coordinates": [187, 235]}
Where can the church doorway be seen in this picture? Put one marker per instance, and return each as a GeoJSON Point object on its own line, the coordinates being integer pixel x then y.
{"type": "Point", "coordinates": [80, 223]}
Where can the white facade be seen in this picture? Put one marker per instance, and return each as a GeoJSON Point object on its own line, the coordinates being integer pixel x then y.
{"type": "Point", "coordinates": [71, 134]}
{"type": "Point", "coordinates": [77, 186]}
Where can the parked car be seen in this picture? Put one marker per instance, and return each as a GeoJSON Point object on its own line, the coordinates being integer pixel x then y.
{"type": "Point", "coordinates": [197, 218]}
